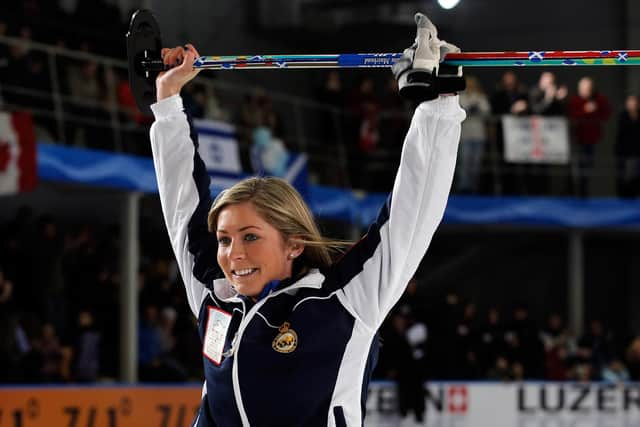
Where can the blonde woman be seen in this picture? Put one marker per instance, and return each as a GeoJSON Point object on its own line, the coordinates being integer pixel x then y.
{"type": "Point", "coordinates": [289, 336]}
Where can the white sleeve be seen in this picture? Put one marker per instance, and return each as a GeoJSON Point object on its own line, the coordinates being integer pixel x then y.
{"type": "Point", "coordinates": [183, 185]}
{"type": "Point", "coordinates": [374, 273]}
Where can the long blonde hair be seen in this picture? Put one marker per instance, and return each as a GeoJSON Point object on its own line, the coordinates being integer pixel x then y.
{"type": "Point", "coordinates": [278, 203]}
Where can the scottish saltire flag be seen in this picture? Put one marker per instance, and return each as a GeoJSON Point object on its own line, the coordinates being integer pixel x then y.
{"type": "Point", "coordinates": [17, 153]}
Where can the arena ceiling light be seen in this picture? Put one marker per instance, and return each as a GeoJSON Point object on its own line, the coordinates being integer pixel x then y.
{"type": "Point", "coordinates": [448, 4]}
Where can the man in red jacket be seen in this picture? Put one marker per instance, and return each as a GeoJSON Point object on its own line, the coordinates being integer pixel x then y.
{"type": "Point", "coordinates": [588, 110]}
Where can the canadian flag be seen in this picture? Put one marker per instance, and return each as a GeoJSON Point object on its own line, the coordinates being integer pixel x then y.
{"type": "Point", "coordinates": [17, 153]}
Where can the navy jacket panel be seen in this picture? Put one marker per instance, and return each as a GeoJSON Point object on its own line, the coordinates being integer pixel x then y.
{"type": "Point", "coordinates": [202, 244]}
{"type": "Point", "coordinates": [305, 377]}
{"type": "Point", "coordinates": [352, 262]}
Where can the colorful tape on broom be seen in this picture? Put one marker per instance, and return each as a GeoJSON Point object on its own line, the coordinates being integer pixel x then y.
{"type": "Point", "coordinates": [380, 60]}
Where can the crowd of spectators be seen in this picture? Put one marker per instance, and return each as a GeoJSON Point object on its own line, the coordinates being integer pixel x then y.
{"type": "Point", "coordinates": [450, 339]}
{"type": "Point", "coordinates": [365, 115]}
{"type": "Point", "coordinates": [90, 94]}
{"type": "Point", "coordinates": [374, 120]}
{"type": "Point", "coordinates": [59, 305]}
{"type": "Point", "coordinates": [59, 321]}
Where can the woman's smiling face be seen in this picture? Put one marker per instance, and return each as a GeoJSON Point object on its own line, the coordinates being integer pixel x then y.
{"type": "Point", "coordinates": [251, 252]}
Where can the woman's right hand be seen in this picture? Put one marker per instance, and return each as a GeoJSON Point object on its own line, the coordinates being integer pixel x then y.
{"type": "Point", "coordinates": [169, 83]}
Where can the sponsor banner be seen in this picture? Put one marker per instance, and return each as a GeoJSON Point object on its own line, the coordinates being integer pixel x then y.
{"type": "Point", "coordinates": [447, 405]}
{"type": "Point", "coordinates": [99, 406]}
{"type": "Point", "coordinates": [536, 139]}
{"type": "Point", "coordinates": [513, 405]}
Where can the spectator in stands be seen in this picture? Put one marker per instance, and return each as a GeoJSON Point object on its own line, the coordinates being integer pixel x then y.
{"type": "Point", "coordinates": [92, 15]}
{"type": "Point", "coordinates": [126, 102]}
{"type": "Point", "coordinates": [80, 265]}
{"type": "Point", "coordinates": [269, 155]}
{"type": "Point", "coordinates": [588, 111]}
{"type": "Point", "coordinates": [149, 344]}
{"type": "Point", "coordinates": [213, 106]}
{"type": "Point", "coordinates": [510, 97]}
{"type": "Point", "coordinates": [501, 370]}
{"type": "Point", "coordinates": [331, 120]}
{"type": "Point", "coordinates": [188, 349]}
{"type": "Point", "coordinates": [103, 304]}
{"type": "Point", "coordinates": [155, 364]}
{"type": "Point", "coordinates": [47, 255]}
{"type": "Point", "coordinates": [133, 122]}
{"type": "Point", "coordinates": [464, 352]}
{"type": "Point", "coordinates": [331, 92]}
{"type": "Point", "coordinates": [86, 364]}
{"type": "Point", "coordinates": [26, 82]}
{"type": "Point", "coordinates": [399, 363]}
{"type": "Point", "coordinates": [156, 286]}
{"type": "Point", "coordinates": [15, 256]}
{"type": "Point", "coordinates": [365, 105]}
{"type": "Point", "coordinates": [615, 372]}
{"type": "Point", "coordinates": [582, 372]}
{"type": "Point", "coordinates": [257, 111]}
{"type": "Point", "coordinates": [6, 296]}
{"type": "Point", "coordinates": [413, 302]}
{"type": "Point", "coordinates": [627, 149]}
{"type": "Point", "coordinates": [23, 73]}
{"type": "Point", "coordinates": [4, 60]}
{"type": "Point", "coordinates": [332, 96]}
{"type": "Point", "coordinates": [168, 316]}
{"type": "Point", "coordinates": [87, 103]}
{"type": "Point", "coordinates": [363, 132]}
{"type": "Point", "coordinates": [548, 98]}
{"type": "Point", "coordinates": [9, 355]}
{"type": "Point", "coordinates": [394, 117]}
{"type": "Point", "coordinates": [553, 332]}
{"type": "Point", "coordinates": [524, 343]}
{"type": "Point", "coordinates": [50, 349]}
{"type": "Point", "coordinates": [632, 358]}
{"type": "Point", "coordinates": [38, 80]}
{"type": "Point", "coordinates": [28, 334]}
{"type": "Point", "coordinates": [473, 138]}
{"type": "Point", "coordinates": [596, 346]}
{"type": "Point", "coordinates": [195, 100]}
{"type": "Point", "coordinates": [491, 344]}
{"type": "Point", "coordinates": [557, 348]}
{"type": "Point", "coordinates": [517, 371]}
{"type": "Point", "coordinates": [443, 321]}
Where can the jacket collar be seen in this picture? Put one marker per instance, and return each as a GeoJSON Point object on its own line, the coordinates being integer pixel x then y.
{"type": "Point", "coordinates": [225, 291]}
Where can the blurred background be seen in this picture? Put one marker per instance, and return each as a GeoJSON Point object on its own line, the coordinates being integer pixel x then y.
{"type": "Point", "coordinates": [531, 279]}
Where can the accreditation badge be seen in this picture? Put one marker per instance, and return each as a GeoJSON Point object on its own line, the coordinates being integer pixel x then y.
{"type": "Point", "coordinates": [215, 335]}
{"type": "Point", "coordinates": [286, 341]}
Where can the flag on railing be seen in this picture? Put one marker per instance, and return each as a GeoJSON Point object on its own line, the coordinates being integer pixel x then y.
{"type": "Point", "coordinates": [17, 153]}
{"type": "Point", "coordinates": [536, 139]}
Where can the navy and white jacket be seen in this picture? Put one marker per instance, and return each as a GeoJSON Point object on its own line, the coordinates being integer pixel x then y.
{"type": "Point", "coordinates": [335, 312]}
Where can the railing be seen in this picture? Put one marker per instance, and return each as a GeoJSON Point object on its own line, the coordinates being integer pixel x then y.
{"type": "Point", "coordinates": [81, 99]}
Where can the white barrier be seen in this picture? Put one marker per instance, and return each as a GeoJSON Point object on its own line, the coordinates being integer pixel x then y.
{"type": "Point", "coordinates": [512, 405]}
